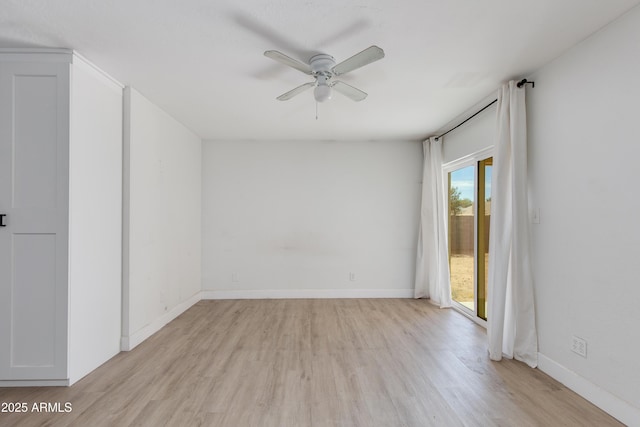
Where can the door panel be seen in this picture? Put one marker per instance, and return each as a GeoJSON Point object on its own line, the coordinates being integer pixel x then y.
{"type": "Point", "coordinates": [33, 290]}
{"type": "Point", "coordinates": [34, 153]}
{"type": "Point", "coordinates": [34, 146]}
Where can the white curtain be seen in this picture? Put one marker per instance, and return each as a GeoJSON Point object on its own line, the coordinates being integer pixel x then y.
{"type": "Point", "coordinates": [432, 263]}
{"type": "Point", "coordinates": [511, 325]}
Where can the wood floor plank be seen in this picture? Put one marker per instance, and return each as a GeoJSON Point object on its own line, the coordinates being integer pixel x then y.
{"type": "Point", "coordinates": [348, 363]}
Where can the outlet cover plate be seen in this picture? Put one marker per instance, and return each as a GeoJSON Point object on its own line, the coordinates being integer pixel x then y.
{"type": "Point", "coordinates": [579, 346]}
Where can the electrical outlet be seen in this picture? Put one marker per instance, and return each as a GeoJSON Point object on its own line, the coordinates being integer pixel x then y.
{"type": "Point", "coordinates": [235, 277]}
{"type": "Point", "coordinates": [579, 346]}
{"type": "Point", "coordinates": [352, 277]}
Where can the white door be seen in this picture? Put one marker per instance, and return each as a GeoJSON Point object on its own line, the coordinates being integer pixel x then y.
{"type": "Point", "coordinates": [34, 193]}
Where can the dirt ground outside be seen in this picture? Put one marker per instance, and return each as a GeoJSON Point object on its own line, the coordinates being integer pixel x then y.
{"type": "Point", "coordinates": [462, 275]}
{"type": "Point", "coordinates": [461, 267]}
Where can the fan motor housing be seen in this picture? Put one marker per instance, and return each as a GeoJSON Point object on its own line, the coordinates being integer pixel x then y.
{"type": "Point", "coordinates": [322, 64]}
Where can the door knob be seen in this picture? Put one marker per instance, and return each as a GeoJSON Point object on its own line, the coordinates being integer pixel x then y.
{"type": "Point", "coordinates": [2, 224]}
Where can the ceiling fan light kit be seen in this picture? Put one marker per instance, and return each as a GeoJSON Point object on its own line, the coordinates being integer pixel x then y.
{"type": "Point", "coordinates": [322, 92]}
{"type": "Point", "coordinates": [323, 68]}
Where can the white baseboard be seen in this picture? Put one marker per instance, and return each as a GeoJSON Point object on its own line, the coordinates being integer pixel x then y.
{"type": "Point", "coordinates": [130, 342]}
{"type": "Point", "coordinates": [613, 405]}
{"type": "Point", "coordinates": [34, 383]}
{"type": "Point", "coordinates": [307, 293]}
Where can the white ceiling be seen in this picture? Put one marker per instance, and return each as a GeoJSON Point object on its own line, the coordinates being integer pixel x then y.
{"type": "Point", "coordinates": [202, 60]}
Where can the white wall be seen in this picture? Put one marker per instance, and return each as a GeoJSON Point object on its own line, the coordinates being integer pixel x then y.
{"type": "Point", "coordinates": [95, 219]}
{"type": "Point", "coordinates": [162, 226]}
{"type": "Point", "coordinates": [584, 142]}
{"type": "Point", "coordinates": [294, 219]}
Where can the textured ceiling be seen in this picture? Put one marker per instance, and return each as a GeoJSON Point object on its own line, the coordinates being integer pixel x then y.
{"type": "Point", "coordinates": [202, 60]}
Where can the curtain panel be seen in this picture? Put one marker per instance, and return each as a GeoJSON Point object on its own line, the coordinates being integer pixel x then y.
{"type": "Point", "coordinates": [511, 326]}
{"type": "Point", "coordinates": [432, 263]}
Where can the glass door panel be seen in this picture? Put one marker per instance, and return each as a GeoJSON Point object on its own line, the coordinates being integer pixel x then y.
{"type": "Point", "coordinates": [461, 235]}
{"type": "Point", "coordinates": [484, 216]}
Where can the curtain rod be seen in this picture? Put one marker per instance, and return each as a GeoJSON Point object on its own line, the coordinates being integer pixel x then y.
{"type": "Point", "coordinates": [519, 84]}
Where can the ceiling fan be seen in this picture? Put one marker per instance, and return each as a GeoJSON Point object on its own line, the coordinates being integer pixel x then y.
{"type": "Point", "coordinates": [323, 68]}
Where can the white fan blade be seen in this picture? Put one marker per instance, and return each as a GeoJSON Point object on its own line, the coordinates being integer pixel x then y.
{"type": "Point", "coordinates": [349, 91]}
{"type": "Point", "coordinates": [293, 92]}
{"type": "Point", "coordinates": [286, 60]}
{"type": "Point", "coordinates": [367, 56]}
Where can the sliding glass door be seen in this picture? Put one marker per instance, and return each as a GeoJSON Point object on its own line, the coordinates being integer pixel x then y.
{"type": "Point", "coordinates": [469, 214]}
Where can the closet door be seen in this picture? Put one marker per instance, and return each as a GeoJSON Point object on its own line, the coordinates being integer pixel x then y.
{"type": "Point", "coordinates": [34, 199]}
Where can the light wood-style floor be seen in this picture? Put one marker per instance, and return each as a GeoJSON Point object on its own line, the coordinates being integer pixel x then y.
{"type": "Point", "coordinates": [312, 363]}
